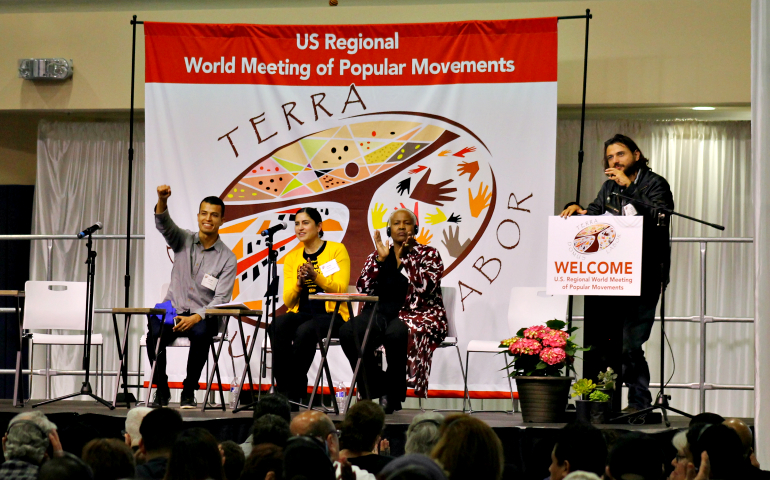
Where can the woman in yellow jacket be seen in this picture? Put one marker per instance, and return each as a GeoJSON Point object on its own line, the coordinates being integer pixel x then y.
{"type": "Point", "coordinates": [320, 266]}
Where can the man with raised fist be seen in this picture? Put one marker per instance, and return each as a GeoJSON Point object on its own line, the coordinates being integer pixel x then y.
{"type": "Point", "coordinates": [203, 276]}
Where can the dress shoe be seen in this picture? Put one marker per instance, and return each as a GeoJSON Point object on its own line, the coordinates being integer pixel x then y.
{"type": "Point", "coordinates": [629, 410]}
{"type": "Point", "coordinates": [389, 405]}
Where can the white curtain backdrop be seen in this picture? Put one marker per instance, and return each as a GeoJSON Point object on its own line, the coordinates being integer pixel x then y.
{"type": "Point", "coordinates": [760, 102]}
{"type": "Point", "coordinates": [82, 171]}
{"type": "Point", "coordinates": [81, 179]}
{"type": "Point", "coordinates": [708, 165]}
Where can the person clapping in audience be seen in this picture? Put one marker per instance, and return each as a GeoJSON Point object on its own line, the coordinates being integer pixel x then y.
{"type": "Point", "coordinates": [29, 441]}
{"type": "Point", "coordinates": [361, 433]}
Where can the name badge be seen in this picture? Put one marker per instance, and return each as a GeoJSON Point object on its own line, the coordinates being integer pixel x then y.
{"type": "Point", "coordinates": [330, 268]}
{"type": "Point", "coordinates": [629, 210]}
{"type": "Point", "coordinates": [210, 282]}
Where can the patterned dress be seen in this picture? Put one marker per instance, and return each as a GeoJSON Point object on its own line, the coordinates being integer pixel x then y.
{"type": "Point", "coordinates": [423, 311]}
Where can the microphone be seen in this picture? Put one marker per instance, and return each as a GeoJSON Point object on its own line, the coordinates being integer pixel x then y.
{"type": "Point", "coordinates": [275, 228]}
{"type": "Point", "coordinates": [88, 231]}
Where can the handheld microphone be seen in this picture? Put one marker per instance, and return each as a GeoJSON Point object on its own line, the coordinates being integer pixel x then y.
{"type": "Point", "coordinates": [88, 231]}
{"type": "Point", "coordinates": [275, 228]}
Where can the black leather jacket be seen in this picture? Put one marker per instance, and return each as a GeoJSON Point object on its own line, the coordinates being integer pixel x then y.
{"type": "Point", "coordinates": [651, 188]}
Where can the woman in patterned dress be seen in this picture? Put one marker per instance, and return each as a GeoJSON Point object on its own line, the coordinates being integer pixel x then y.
{"type": "Point", "coordinates": [410, 322]}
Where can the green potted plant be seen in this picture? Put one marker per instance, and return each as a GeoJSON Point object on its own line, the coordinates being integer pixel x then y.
{"type": "Point", "coordinates": [593, 405]}
{"type": "Point", "coordinates": [605, 382]}
{"type": "Point", "coordinates": [543, 358]}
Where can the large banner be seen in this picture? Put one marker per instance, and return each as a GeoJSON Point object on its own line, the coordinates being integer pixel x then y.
{"type": "Point", "coordinates": [455, 121]}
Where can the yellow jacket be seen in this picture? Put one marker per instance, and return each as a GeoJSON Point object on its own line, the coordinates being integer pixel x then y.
{"type": "Point", "coordinates": [335, 283]}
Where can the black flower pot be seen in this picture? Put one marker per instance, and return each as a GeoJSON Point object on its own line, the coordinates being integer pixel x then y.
{"type": "Point", "coordinates": [543, 399]}
{"type": "Point", "coordinates": [592, 412]}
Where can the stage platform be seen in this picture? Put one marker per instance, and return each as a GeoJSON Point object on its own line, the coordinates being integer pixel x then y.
{"type": "Point", "coordinates": [527, 446]}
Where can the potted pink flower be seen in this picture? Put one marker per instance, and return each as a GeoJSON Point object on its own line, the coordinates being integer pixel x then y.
{"type": "Point", "coordinates": [542, 354]}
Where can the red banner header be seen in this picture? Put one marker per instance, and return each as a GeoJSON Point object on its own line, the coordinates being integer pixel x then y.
{"type": "Point", "coordinates": [503, 51]}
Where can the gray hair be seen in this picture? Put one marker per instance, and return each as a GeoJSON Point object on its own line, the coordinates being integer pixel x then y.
{"type": "Point", "coordinates": [423, 433]}
{"type": "Point", "coordinates": [411, 214]}
{"type": "Point", "coordinates": [133, 421]}
{"type": "Point", "coordinates": [680, 442]}
{"type": "Point", "coordinates": [581, 475]}
{"type": "Point", "coordinates": [25, 442]}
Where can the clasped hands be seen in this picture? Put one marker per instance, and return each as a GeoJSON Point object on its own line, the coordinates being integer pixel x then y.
{"type": "Point", "coordinates": [304, 272]}
{"type": "Point", "coordinates": [383, 249]}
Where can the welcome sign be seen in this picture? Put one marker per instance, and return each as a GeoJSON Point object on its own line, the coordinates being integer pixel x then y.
{"type": "Point", "coordinates": [594, 255]}
{"type": "Point", "coordinates": [455, 121]}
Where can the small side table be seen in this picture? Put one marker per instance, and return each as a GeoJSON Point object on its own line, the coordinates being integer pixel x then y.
{"type": "Point", "coordinates": [123, 350]}
{"type": "Point", "coordinates": [238, 314]}
{"type": "Point", "coordinates": [18, 392]}
{"type": "Point", "coordinates": [324, 345]}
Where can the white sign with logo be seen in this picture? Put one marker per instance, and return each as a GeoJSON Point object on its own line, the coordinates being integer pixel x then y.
{"type": "Point", "coordinates": [590, 255]}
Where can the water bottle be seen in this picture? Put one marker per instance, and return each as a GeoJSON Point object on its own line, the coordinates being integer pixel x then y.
{"type": "Point", "coordinates": [234, 392]}
{"type": "Point", "coordinates": [339, 395]}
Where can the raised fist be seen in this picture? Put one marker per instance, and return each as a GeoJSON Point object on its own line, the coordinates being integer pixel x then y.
{"type": "Point", "coordinates": [164, 191]}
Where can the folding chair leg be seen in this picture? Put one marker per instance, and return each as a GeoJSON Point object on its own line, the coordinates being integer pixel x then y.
{"type": "Point", "coordinates": [47, 372]}
{"type": "Point", "coordinates": [139, 376]}
{"type": "Point", "coordinates": [31, 366]}
{"type": "Point", "coordinates": [215, 353]}
{"type": "Point", "coordinates": [466, 392]}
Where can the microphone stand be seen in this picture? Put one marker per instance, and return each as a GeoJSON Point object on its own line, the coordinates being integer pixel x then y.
{"type": "Point", "coordinates": [89, 322]}
{"type": "Point", "coordinates": [661, 401]}
{"type": "Point", "coordinates": [271, 302]}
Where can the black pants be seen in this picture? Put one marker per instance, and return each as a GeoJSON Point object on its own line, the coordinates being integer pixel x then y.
{"type": "Point", "coordinates": [294, 339]}
{"type": "Point", "coordinates": [200, 335]}
{"type": "Point", "coordinates": [616, 328]}
{"type": "Point", "coordinates": [391, 333]}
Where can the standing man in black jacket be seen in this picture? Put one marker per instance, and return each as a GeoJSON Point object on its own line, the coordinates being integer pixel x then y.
{"type": "Point", "coordinates": [608, 319]}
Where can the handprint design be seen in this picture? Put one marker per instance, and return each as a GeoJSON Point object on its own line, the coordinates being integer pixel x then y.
{"type": "Point", "coordinates": [404, 186]}
{"type": "Point", "coordinates": [424, 236]}
{"type": "Point", "coordinates": [454, 218]}
{"type": "Point", "coordinates": [452, 242]}
{"type": "Point", "coordinates": [436, 218]}
{"type": "Point", "coordinates": [480, 201]}
{"type": "Point", "coordinates": [471, 169]}
{"type": "Point", "coordinates": [432, 193]}
{"type": "Point", "coordinates": [378, 215]}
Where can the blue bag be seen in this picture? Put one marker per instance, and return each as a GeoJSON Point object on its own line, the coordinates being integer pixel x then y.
{"type": "Point", "coordinates": [168, 319]}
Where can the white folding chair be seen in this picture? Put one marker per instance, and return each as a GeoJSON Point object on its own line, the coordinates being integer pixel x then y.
{"type": "Point", "coordinates": [185, 342]}
{"type": "Point", "coordinates": [58, 306]}
{"type": "Point", "coordinates": [528, 306]}
{"type": "Point", "coordinates": [449, 294]}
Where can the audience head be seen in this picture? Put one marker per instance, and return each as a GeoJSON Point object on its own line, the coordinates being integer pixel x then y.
{"type": "Point", "coordinates": [264, 463]}
{"type": "Point", "coordinates": [66, 467]}
{"type": "Point", "coordinates": [581, 475]}
{"type": "Point", "coordinates": [682, 457]}
{"type": "Point", "coordinates": [109, 459]}
{"type": "Point", "coordinates": [133, 422]}
{"type": "Point", "coordinates": [580, 447]}
{"type": "Point", "coordinates": [469, 448]}
{"type": "Point", "coordinates": [307, 457]}
{"type": "Point", "coordinates": [159, 430]}
{"type": "Point", "coordinates": [315, 424]}
{"type": "Point", "coordinates": [706, 418]}
{"type": "Point", "coordinates": [423, 433]}
{"type": "Point", "coordinates": [26, 438]}
{"type": "Point", "coordinates": [744, 433]}
{"type": "Point", "coordinates": [635, 455]}
{"type": "Point", "coordinates": [274, 403]}
{"type": "Point", "coordinates": [414, 466]}
{"type": "Point", "coordinates": [362, 427]}
{"type": "Point", "coordinates": [723, 446]}
{"type": "Point", "coordinates": [195, 456]}
{"type": "Point", "coordinates": [234, 459]}
{"type": "Point", "coordinates": [270, 428]}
